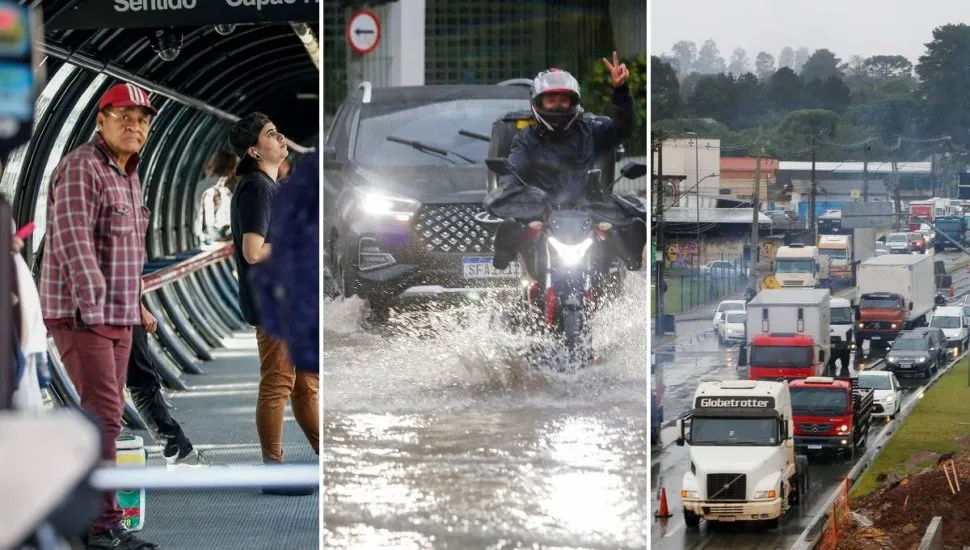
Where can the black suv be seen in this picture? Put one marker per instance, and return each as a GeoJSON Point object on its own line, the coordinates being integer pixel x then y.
{"type": "Point", "coordinates": [919, 350]}
{"type": "Point", "coordinates": [404, 181]}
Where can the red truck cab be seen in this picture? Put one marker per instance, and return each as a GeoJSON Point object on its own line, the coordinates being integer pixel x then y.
{"type": "Point", "coordinates": [783, 357]}
{"type": "Point", "coordinates": [830, 414]}
{"type": "Point", "coordinates": [882, 316]}
{"type": "Point", "coordinates": [919, 212]}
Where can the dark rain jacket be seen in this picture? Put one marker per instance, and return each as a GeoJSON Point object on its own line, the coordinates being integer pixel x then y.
{"type": "Point", "coordinates": [557, 166]}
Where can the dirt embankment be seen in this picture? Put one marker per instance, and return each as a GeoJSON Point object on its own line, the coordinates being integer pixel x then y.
{"type": "Point", "coordinates": [896, 515]}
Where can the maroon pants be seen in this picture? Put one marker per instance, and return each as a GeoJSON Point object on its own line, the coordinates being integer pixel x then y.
{"type": "Point", "coordinates": [97, 363]}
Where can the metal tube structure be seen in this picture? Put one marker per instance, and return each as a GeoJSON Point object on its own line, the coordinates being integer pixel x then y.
{"type": "Point", "coordinates": [115, 71]}
{"type": "Point", "coordinates": [234, 477]}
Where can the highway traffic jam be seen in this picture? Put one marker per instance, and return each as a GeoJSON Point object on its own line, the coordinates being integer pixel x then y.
{"type": "Point", "coordinates": [762, 406]}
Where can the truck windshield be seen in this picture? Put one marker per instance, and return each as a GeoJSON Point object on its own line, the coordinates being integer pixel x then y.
{"type": "Point", "coordinates": [794, 266]}
{"type": "Point", "coordinates": [841, 316]}
{"type": "Point", "coordinates": [818, 400]}
{"type": "Point", "coordinates": [837, 256]}
{"type": "Point", "coordinates": [734, 431]}
{"type": "Point", "coordinates": [882, 302]}
{"type": "Point", "coordinates": [780, 356]}
{"type": "Point", "coordinates": [945, 321]}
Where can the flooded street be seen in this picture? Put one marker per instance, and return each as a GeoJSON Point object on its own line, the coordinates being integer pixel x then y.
{"type": "Point", "coordinates": [440, 435]}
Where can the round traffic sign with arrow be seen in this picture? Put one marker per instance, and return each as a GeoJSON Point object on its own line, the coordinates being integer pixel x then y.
{"type": "Point", "coordinates": [363, 31]}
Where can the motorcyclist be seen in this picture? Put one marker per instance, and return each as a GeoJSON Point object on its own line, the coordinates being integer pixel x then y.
{"type": "Point", "coordinates": [555, 154]}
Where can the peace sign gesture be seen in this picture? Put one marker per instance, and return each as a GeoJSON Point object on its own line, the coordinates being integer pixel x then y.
{"type": "Point", "coordinates": [618, 71]}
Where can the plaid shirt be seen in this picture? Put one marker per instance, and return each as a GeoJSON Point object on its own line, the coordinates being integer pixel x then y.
{"type": "Point", "coordinates": [95, 239]}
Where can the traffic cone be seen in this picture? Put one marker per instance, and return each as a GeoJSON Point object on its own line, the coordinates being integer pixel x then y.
{"type": "Point", "coordinates": [663, 512]}
{"type": "Point", "coordinates": [951, 291]}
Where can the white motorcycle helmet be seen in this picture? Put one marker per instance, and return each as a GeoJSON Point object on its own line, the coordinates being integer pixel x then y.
{"type": "Point", "coordinates": [557, 120]}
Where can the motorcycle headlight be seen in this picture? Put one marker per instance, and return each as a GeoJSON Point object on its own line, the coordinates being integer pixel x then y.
{"type": "Point", "coordinates": [376, 203]}
{"type": "Point", "coordinates": [570, 254]}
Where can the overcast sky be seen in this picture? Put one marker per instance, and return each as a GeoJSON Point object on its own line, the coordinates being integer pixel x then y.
{"type": "Point", "coordinates": [846, 27]}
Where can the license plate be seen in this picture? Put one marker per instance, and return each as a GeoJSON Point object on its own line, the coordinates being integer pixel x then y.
{"type": "Point", "coordinates": [815, 447]}
{"type": "Point", "coordinates": [480, 267]}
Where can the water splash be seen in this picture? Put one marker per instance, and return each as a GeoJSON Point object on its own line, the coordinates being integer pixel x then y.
{"type": "Point", "coordinates": [448, 358]}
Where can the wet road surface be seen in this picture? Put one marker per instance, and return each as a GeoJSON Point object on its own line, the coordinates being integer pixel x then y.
{"type": "Point", "coordinates": [695, 355]}
{"type": "Point", "coordinates": [439, 435]}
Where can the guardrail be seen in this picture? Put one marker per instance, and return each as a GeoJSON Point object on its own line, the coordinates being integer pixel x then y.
{"type": "Point", "coordinates": [176, 271]}
{"type": "Point", "coordinates": [822, 531]}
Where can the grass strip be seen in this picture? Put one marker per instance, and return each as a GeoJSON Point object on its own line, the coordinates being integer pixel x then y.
{"type": "Point", "coordinates": [937, 425]}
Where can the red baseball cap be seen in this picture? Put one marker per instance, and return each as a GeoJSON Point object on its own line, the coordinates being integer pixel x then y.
{"type": "Point", "coordinates": [126, 95]}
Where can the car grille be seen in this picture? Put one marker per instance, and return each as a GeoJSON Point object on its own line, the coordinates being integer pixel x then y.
{"type": "Point", "coordinates": [726, 487]}
{"type": "Point", "coordinates": [814, 428]}
{"type": "Point", "coordinates": [452, 228]}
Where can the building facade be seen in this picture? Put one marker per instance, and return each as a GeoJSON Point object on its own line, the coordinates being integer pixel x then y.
{"type": "Point", "coordinates": [478, 41]}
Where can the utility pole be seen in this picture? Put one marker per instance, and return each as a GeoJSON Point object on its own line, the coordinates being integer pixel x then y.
{"type": "Point", "coordinates": [865, 171]}
{"type": "Point", "coordinates": [811, 209]}
{"type": "Point", "coordinates": [755, 206]}
{"type": "Point", "coordinates": [898, 208]}
{"type": "Point", "coordinates": [659, 216]}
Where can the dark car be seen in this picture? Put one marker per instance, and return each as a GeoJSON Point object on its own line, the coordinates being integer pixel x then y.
{"type": "Point", "coordinates": [404, 185]}
{"type": "Point", "coordinates": [916, 351]}
{"type": "Point", "coordinates": [937, 340]}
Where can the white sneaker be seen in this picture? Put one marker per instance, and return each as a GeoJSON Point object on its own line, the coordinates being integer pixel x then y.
{"type": "Point", "coordinates": [195, 459]}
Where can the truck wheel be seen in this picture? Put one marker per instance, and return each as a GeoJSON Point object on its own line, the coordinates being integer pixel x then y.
{"type": "Point", "coordinates": [691, 520]}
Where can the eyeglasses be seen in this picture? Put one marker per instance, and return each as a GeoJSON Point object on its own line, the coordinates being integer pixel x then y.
{"type": "Point", "coordinates": [130, 119]}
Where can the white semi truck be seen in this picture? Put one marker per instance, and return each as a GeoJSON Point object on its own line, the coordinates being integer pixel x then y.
{"type": "Point", "coordinates": [845, 253]}
{"type": "Point", "coordinates": [742, 453]}
{"type": "Point", "coordinates": [800, 266]}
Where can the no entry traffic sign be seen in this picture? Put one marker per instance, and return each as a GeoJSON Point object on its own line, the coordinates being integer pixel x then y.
{"type": "Point", "coordinates": [363, 31]}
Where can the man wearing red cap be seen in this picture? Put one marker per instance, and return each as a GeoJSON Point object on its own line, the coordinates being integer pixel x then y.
{"type": "Point", "coordinates": [90, 285]}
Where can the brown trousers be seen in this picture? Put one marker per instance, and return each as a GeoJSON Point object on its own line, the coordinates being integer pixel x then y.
{"type": "Point", "coordinates": [98, 365]}
{"type": "Point", "coordinates": [279, 380]}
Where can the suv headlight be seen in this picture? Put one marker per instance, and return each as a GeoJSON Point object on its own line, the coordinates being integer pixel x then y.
{"type": "Point", "coordinates": [377, 203]}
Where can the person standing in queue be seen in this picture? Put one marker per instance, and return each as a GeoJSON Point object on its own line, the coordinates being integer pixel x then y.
{"type": "Point", "coordinates": [262, 149]}
{"type": "Point", "coordinates": [90, 283]}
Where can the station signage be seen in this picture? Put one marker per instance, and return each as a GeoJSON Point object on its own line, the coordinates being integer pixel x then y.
{"type": "Point", "coordinates": [734, 402]}
{"type": "Point", "coordinates": [118, 14]}
{"type": "Point", "coordinates": [19, 81]}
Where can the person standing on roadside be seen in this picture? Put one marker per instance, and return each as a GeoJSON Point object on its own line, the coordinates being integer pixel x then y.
{"type": "Point", "coordinates": [262, 149]}
{"type": "Point", "coordinates": [90, 284]}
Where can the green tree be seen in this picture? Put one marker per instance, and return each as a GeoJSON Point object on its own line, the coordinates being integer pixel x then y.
{"type": "Point", "coordinates": [598, 97]}
{"type": "Point", "coordinates": [714, 97]}
{"type": "Point", "coordinates": [784, 90]}
{"type": "Point", "coordinates": [764, 65]}
{"type": "Point", "coordinates": [944, 81]}
{"type": "Point", "coordinates": [665, 100]}
{"type": "Point", "coordinates": [821, 65]}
